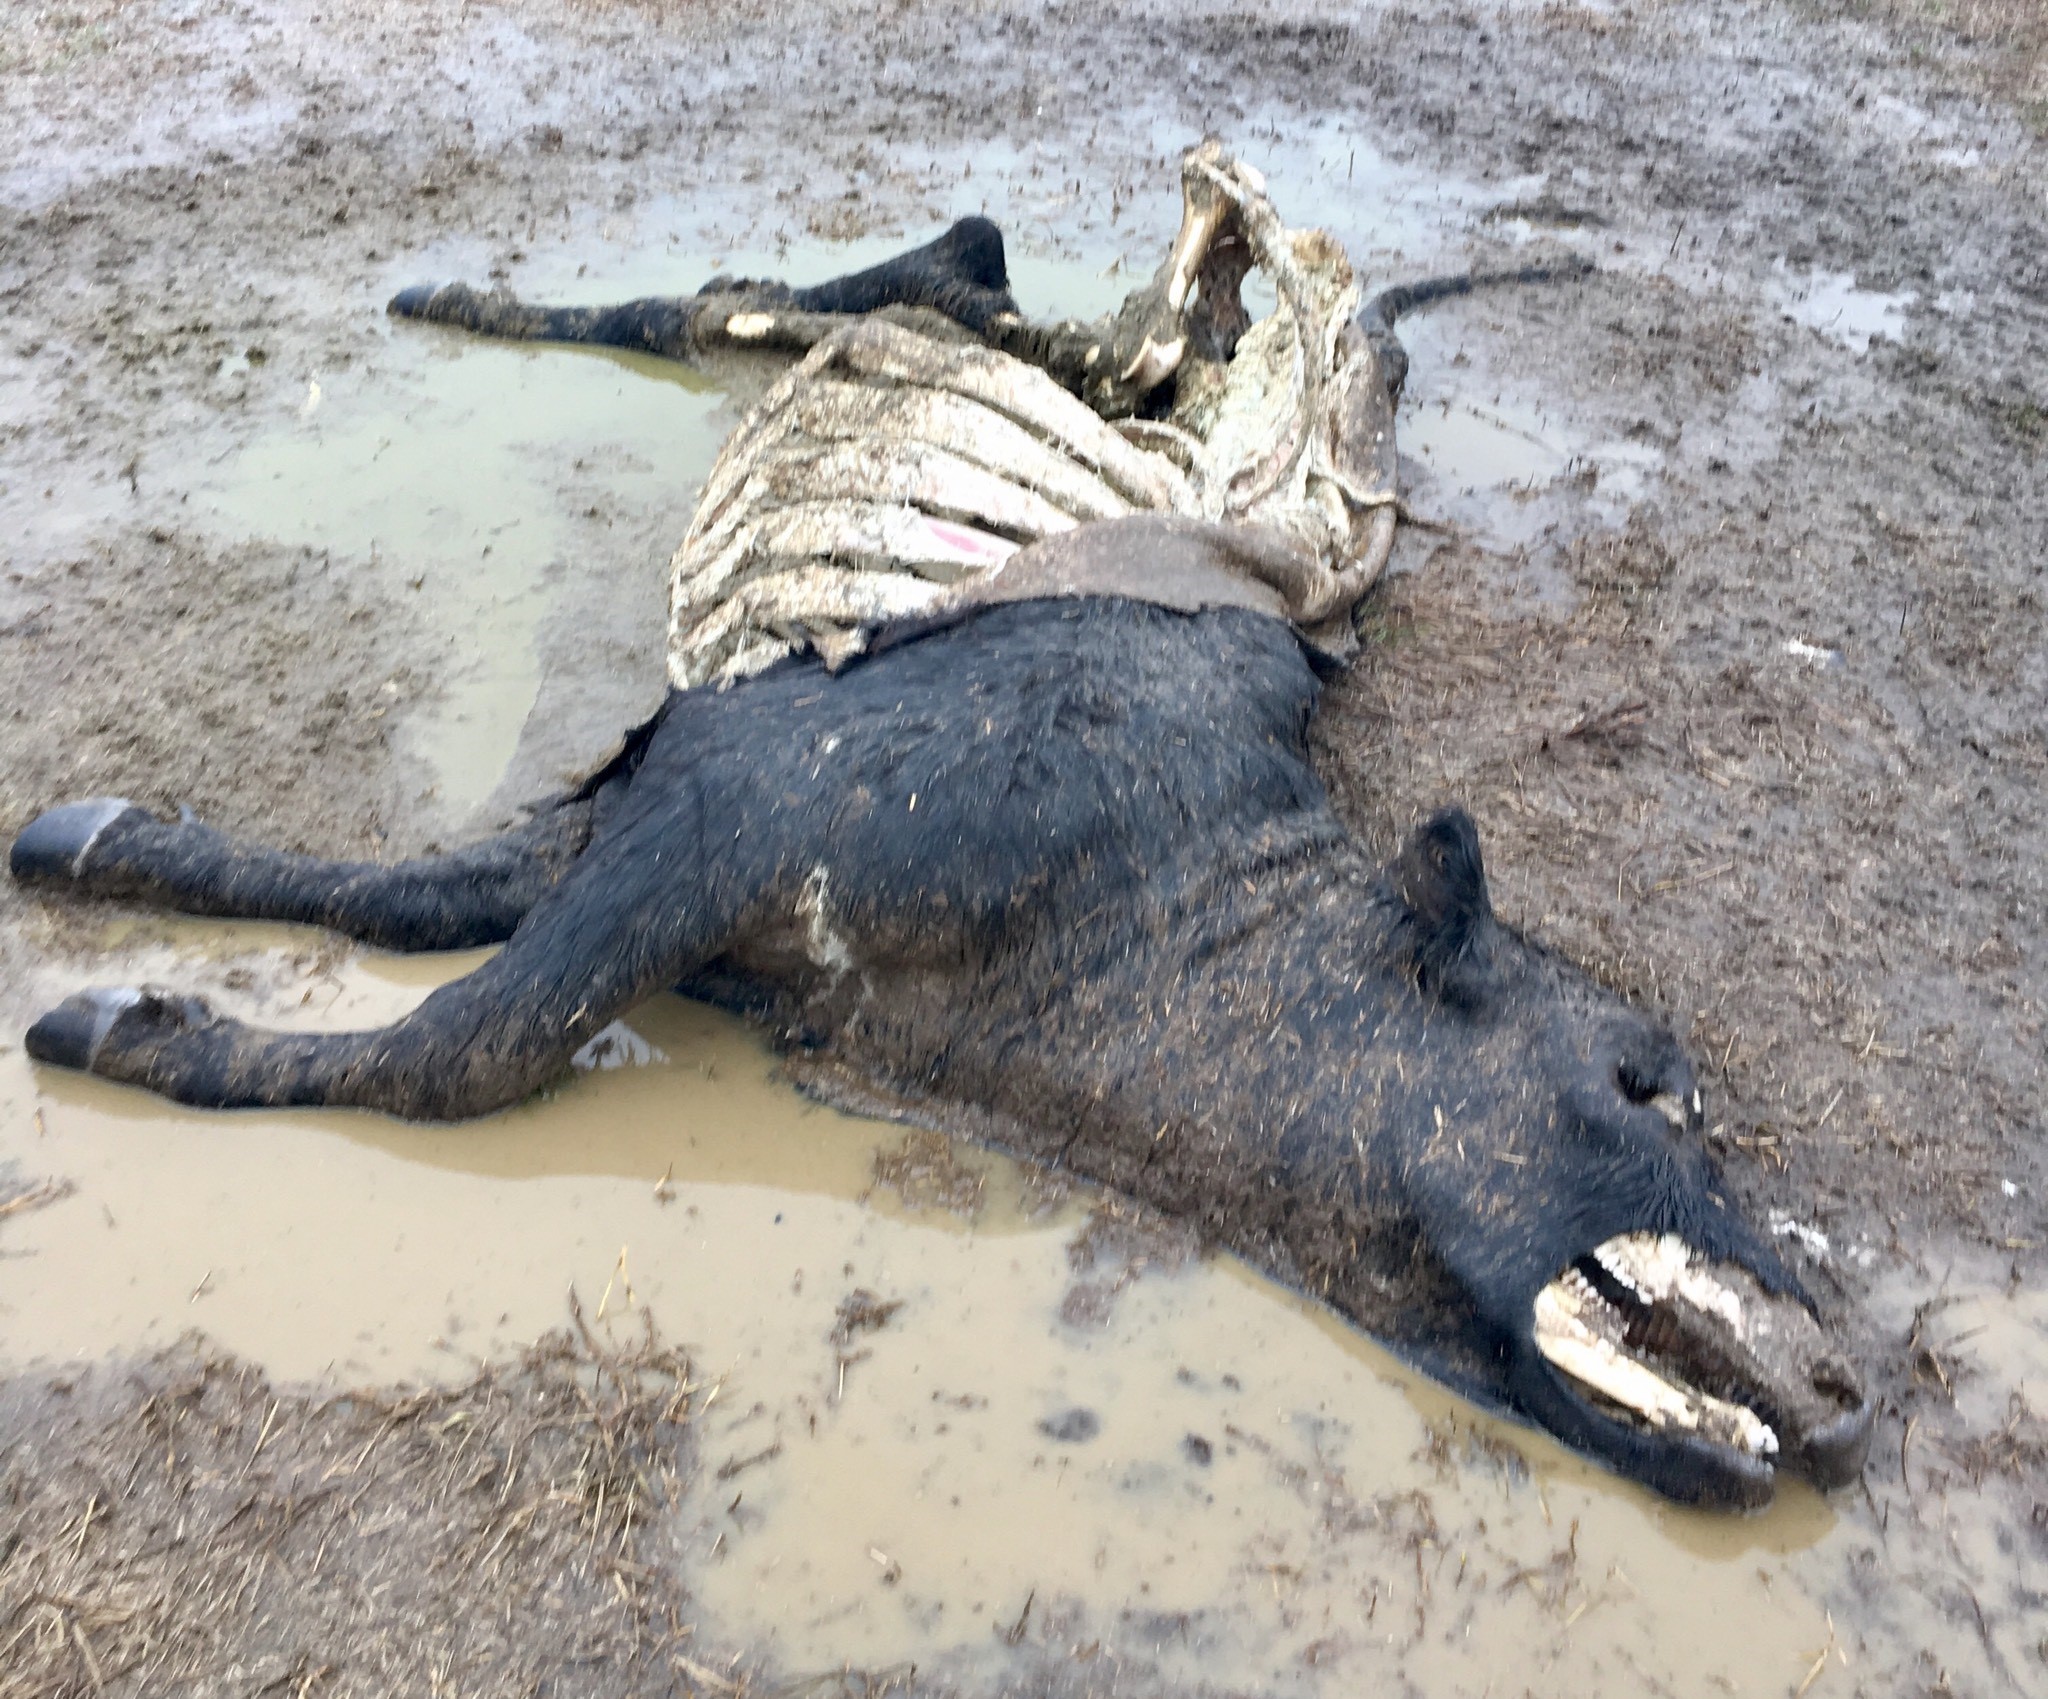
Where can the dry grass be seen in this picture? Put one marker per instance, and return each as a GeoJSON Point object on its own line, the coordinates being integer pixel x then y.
{"type": "Point", "coordinates": [37, 1196]}
{"type": "Point", "coordinates": [2017, 1448]}
{"type": "Point", "coordinates": [1120, 1245]}
{"type": "Point", "coordinates": [184, 1527]}
{"type": "Point", "coordinates": [926, 1171]}
{"type": "Point", "coordinates": [180, 1526]}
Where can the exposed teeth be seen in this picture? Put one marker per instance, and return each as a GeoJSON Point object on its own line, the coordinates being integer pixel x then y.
{"type": "Point", "coordinates": [1615, 1266]}
{"type": "Point", "coordinates": [1154, 363]}
{"type": "Point", "coordinates": [1563, 1336]}
{"type": "Point", "coordinates": [1664, 1267]}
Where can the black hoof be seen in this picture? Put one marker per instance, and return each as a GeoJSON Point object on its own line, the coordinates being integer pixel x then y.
{"type": "Point", "coordinates": [973, 251]}
{"type": "Point", "coordinates": [55, 845]}
{"type": "Point", "coordinates": [1835, 1454]}
{"type": "Point", "coordinates": [71, 1034]}
{"type": "Point", "coordinates": [412, 303]}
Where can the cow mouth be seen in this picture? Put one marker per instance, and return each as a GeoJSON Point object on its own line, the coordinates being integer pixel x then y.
{"type": "Point", "coordinates": [1680, 1347]}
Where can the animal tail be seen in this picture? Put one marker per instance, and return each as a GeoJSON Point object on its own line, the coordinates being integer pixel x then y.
{"type": "Point", "coordinates": [1379, 315]}
{"type": "Point", "coordinates": [1392, 304]}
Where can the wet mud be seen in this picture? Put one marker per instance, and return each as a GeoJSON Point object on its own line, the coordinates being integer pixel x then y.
{"type": "Point", "coordinates": [1722, 610]}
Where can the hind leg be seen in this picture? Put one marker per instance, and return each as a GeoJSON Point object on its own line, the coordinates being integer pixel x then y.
{"type": "Point", "coordinates": [960, 275]}
{"type": "Point", "coordinates": [109, 847]}
{"type": "Point", "coordinates": [632, 917]}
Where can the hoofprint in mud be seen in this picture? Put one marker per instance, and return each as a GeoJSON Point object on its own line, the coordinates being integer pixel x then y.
{"type": "Point", "coordinates": [1072, 871]}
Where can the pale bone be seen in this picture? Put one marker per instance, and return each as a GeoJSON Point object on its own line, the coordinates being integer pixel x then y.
{"type": "Point", "coordinates": [1671, 1109]}
{"type": "Point", "coordinates": [1568, 1341]}
{"type": "Point", "coordinates": [1154, 363]}
{"type": "Point", "coordinates": [916, 474]}
{"type": "Point", "coordinates": [881, 536]}
{"type": "Point", "coordinates": [1163, 437]}
{"type": "Point", "coordinates": [767, 418]}
{"type": "Point", "coordinates": [1045, 488]}
{"type": "Point", "coordinates": [1662, 1266]}
{"type": "Point", "coordinates": [861, 538]}
{"type": "Point", "coordinates": [842, 412]}
{"type": "Point", "coordinates": [802, 603]}
{"type": "Point", "coordinates": [1203, 211]}
{"type": "Point", "coordinates": [744, 562]}
{"type": "Point", "coordinates": [1045, 419]}
{"type": "Point", "coordinates": [1023, 394]}
{"type": "Point", "coordinates": [1299, 436]}
{"type": "Point", "coordinates": [1308, 372]}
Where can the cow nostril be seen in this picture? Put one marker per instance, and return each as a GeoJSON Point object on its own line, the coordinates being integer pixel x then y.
{"type": "Point", "coordinates": [1634, 1086]}
{"type": "Point", "coordinates": [1834, 1379]}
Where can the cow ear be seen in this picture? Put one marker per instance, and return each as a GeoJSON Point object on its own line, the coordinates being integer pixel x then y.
{"type": "Point", "coordinates": [1440, 879]}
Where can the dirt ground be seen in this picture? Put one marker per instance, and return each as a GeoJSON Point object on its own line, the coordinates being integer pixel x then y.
{"type": "Point", "coordinates": [1758, 732]}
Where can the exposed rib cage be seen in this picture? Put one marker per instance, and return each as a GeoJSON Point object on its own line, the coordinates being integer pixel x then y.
{"type": "Point", "coordinates": [891, 472]}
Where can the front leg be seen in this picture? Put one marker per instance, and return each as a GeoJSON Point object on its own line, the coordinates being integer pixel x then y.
{"type": "Point", "coordinates": [961, 277]}
{"type": "Point", "coordinates": [634, 916]}
{"type": "Point", "coordinates": [109, 847]}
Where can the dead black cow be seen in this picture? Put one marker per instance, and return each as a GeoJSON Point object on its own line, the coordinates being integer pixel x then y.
{"type": "Point", "coordinates": [1064, 863]}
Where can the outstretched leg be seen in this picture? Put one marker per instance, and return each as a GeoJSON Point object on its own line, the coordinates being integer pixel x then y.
{"type": "Point", "coordinates": [960, 276]}
{"type": "Point", "coordinates": [634, 916]}
{"type": "Point", "coordinates": [109, 847]}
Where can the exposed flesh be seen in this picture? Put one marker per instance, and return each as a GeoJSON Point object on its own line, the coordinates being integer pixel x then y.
{"type": "Point", "coordinates": [1584, 1334]}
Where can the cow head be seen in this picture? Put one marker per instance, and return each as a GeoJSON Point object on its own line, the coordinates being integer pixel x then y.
{"type": "Point", "coordinates": [1562, 1177]}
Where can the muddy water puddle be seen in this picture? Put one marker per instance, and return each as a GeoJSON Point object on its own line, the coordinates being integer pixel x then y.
{"type": "Point", "coordinates": [1833, 304]}
{"type": "Point", "coordinates": [1190, 1474]}
{"type": "Point", "coordinates": [467, 479]}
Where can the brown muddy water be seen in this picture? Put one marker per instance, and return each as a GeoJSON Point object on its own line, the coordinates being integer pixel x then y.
{"type": "Point", "coordinates": [1145, 1460]}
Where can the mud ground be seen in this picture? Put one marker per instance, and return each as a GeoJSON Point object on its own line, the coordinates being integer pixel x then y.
{"type": "Point", "coordinates": [1762, 736]}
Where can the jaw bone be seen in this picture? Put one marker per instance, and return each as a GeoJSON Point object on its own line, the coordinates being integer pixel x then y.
{"type": "Point", "coordinates": [1662, 1268]}
{"type": "Point", "coordinates": [1203, 212]}
{"type": "Point", "coordinates": [1582, 1333]}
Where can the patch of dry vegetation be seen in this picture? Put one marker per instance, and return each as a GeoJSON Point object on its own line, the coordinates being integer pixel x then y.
{"type": "Point", "coordinates": [926, 1171]}
{"type": "Point", "coordinates": [183, 1527]}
